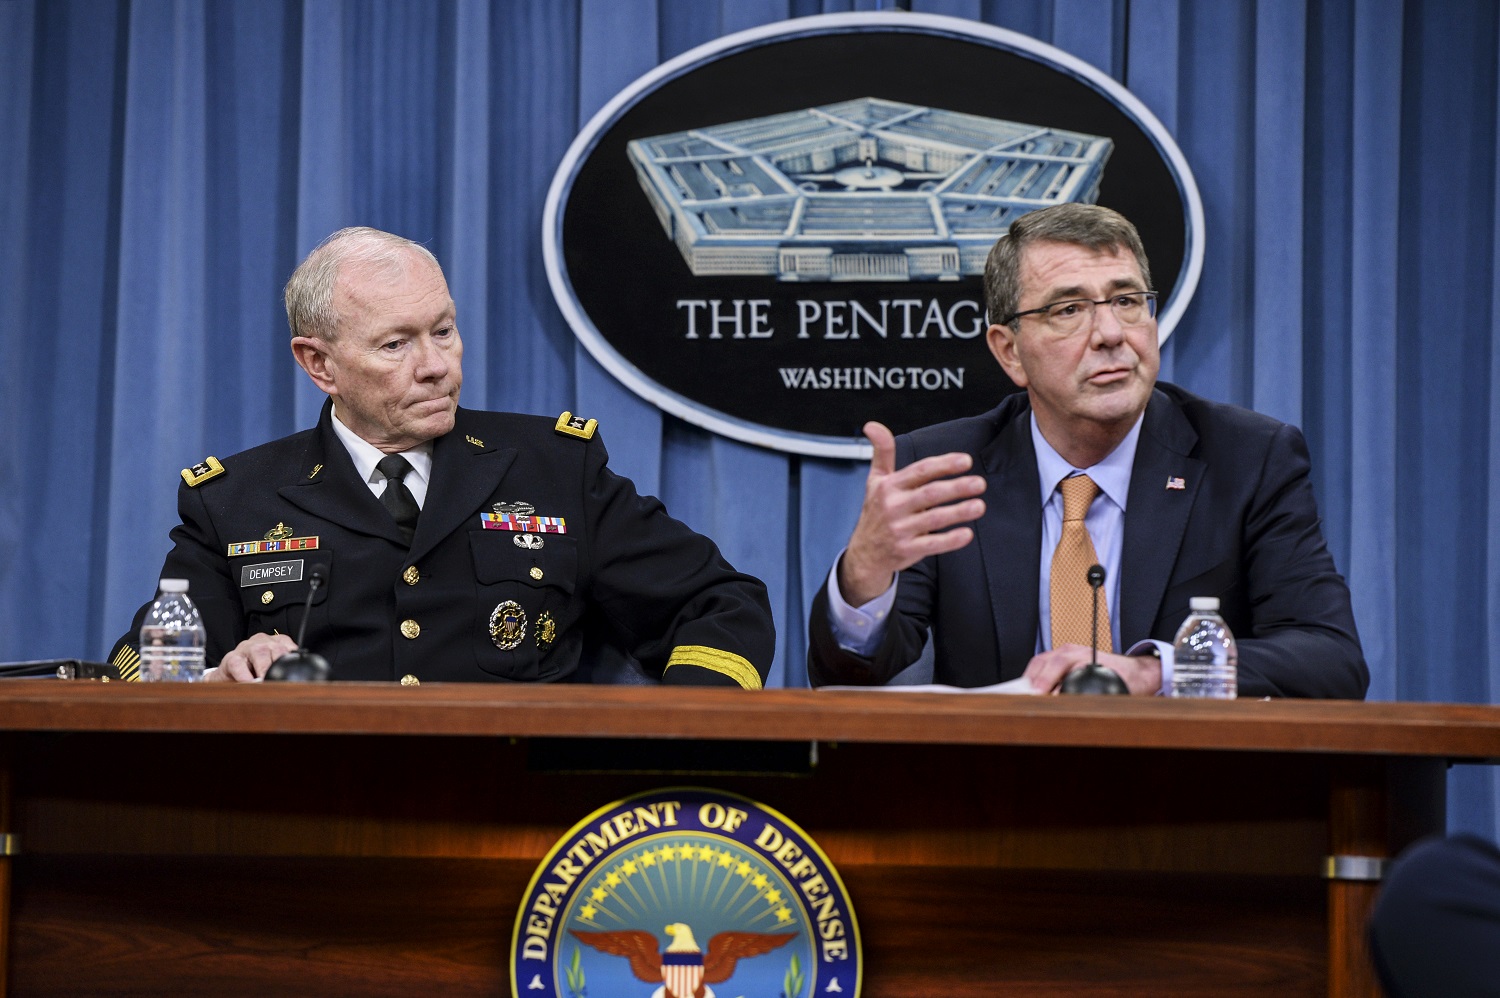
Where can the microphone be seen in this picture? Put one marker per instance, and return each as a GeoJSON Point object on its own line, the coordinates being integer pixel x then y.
{"type": "Point", "coordinates": [1096, 582]}
{"type": "Point", "coordinates": [302, 666]}
{"type": "Point", "coordinates": [1094, 678]}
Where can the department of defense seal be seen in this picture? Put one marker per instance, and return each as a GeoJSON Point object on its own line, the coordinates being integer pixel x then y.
{"type": "Point", "coordinates": [685, 892]}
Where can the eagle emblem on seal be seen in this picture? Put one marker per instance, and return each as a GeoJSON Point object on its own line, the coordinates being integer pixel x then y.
{"type": "Point", "coordinates": [684, 969]}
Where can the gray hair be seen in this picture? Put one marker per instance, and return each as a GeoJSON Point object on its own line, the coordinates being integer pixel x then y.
{"type": "Point", "coordinates": [309, 292]}
{"type": "Point", "coordinates": [1090, 225]}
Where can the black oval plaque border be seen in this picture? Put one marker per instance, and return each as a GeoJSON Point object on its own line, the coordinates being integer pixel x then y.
{"type": "Point", "coordinates": [703, 414]}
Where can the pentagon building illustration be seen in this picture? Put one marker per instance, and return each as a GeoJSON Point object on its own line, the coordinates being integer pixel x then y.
{"type": "Point", "coordinates": [862, 190]}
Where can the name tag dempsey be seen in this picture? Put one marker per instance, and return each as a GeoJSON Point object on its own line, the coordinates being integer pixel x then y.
{"type": "Point", "coordinates": [271, 571]}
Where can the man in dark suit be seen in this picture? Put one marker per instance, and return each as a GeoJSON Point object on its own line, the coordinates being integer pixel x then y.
{"type": "Point", "coordinates": [1435, 930]}
{"type": "Point", "coordinates": [455, 544]}
{"type": "Point", "coordinates": [1095, 463]}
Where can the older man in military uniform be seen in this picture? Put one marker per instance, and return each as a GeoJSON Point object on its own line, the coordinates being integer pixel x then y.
{"type": "Point", "coordinates": [452, 544]}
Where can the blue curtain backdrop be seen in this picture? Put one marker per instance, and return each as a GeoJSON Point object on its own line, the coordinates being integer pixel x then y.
{"type": "Point", "coordinates": [164, 164]}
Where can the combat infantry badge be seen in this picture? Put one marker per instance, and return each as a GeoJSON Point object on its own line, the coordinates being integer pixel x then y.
{"type": "Point", "coordinates": [508, 625]}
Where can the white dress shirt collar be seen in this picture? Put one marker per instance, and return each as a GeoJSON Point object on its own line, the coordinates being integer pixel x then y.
{"type": "Point", "coordinates": [366, 456]}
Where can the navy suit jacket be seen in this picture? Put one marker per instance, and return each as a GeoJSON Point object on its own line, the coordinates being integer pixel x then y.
{"type": "Point", "coordinates": [1243, 527]}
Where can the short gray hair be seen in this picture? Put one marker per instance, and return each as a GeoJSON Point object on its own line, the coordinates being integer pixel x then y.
{"type": "Point", "coordinates": [1090, 225]}
{"type": "Point", "coordinates": [309, 292]}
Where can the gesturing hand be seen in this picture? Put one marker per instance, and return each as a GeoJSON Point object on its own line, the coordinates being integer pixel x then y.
{"type": "Point", "coordinates": [906, 516]}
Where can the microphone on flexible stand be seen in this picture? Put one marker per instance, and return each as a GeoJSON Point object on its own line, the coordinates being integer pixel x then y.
{"type": "Point", "coordinates": [302, 666]}
{"type": "Point", "coordinates": [1094, 678]}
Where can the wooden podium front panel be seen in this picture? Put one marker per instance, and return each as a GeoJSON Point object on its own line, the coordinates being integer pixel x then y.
{"type": "Point", "coordinates": [909, 805]}
{"type": "Point", "coordinates": [340, 927]}
{"type": "Point", "coordinates": [234, 864]}
{"type": "Point", "coordinates": [342, 842]}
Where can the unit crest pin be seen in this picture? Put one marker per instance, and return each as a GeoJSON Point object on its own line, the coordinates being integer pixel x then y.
{"type": "Point", "coordinates": [546, 630]}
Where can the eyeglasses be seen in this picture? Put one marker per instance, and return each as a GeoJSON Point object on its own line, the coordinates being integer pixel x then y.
{"type": "Point", "coordinates": [1067, 317]}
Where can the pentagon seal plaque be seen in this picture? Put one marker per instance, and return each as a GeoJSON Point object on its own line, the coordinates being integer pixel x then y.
{"type": "Point", "coordinates": [807, 207]}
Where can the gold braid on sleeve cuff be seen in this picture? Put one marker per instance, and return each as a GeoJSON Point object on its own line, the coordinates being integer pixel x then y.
{"type": "Point", "coordinates": [734, 666]}
{"type": "Point", "coordinates": [127, 663]}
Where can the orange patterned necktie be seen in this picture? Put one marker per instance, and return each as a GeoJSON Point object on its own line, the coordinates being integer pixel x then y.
{"type": "Point", "coordinates": [1072, 596]}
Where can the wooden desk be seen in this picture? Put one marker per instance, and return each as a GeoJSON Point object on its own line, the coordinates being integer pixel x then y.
{"type": "Point", "coordinates": [362, 839]}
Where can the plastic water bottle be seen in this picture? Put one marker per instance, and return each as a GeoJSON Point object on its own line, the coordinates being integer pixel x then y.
{"type": "Point", "coordinates": [173, 641]}
{"type": "Point", "coordinates": [1204, 659]}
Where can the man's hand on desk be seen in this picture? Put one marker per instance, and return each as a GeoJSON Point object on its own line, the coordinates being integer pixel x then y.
{"type": "Point", "coordinates": [906, 516]}
{"type": "Point", "coordinates": [1142, 673]}
{"type": "Point", "coordinates": [250, 659]}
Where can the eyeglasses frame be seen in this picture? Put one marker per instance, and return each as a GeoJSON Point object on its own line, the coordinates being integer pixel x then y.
{"type": "Point", "coordinates": [1151, 296]}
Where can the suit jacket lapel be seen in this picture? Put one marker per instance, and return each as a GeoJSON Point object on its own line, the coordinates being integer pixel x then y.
{"type": "Point", "coordinates": [330, 487]}
{"type": "Point", "coordinates": [1010, 541]}
{"type": "Point", "coordinates": [1156, 516]}
{"type": "Point", "coordinates": [466, 471]}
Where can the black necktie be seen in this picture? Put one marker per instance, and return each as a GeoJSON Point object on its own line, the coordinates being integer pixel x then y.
{"type": "Point", "coordinates": [397, 497]}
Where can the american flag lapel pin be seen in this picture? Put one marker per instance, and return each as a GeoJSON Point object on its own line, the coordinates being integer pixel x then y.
{"type": "Point", "coordinates": [1176, 483]}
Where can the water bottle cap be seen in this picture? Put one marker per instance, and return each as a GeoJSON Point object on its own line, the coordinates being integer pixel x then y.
{"type": "Point", "coordinates": [1204, 603]}
{"type": "Point", "coordinates": [174, 585]}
